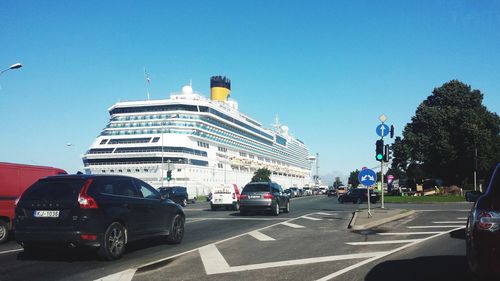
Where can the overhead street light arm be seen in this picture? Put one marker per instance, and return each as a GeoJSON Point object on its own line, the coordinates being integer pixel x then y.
{"type": "Point", "coordinates": [14, 66]}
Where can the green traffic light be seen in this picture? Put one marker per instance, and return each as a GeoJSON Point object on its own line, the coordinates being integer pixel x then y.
{"type": "Point", "coordinates": [379, 156]}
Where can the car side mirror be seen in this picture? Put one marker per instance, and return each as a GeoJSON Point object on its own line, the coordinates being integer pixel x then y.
{"type": "Point", "coordinates": [472, 196]}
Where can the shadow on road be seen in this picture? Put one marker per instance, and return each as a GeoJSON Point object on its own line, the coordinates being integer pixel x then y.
{"type": "Point", "coordinates": [442, 268]}
{"type": "Point", "coordinates": [458, 234]}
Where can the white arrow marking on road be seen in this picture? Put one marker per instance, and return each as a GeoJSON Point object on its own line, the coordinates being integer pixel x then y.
{"type": "Point", "coordinates": [310, 218]}
{"type": "Point", "coordinates": [213, 261]}
{"type": "Point", "coordinates": [260, 236]}
{"type": "Point", "coordinates": [125, 275]}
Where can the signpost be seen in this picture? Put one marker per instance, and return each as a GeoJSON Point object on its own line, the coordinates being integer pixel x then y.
{"type": "Point", "coordinates": [368, 178]}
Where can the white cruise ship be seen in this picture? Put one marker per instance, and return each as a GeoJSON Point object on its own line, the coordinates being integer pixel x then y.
{"type": "Point", "coordinates": [202, 142]}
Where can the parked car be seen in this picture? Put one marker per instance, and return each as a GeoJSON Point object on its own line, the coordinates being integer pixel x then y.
{"type": "Point", "coordinates": [105, 212]}
{"type": "Point", "coordinates": [295, 192]}
{"type": "Point", "coordinates": [227, 196]}
{"type": "Point", "coordinates": [331, 192]}
{"type": "Point", "coordinates": [178, 194]}
{"type": "Point", "coordinates": [482, 233]}
{"type": "Point", "coordinates": [267, 196]}
{"type": "Point", "coordinates": [307, 191]}
{"type": "Point", "coordinates": [358, 196]}
{"type": "Point", "coordinates": [14, 180]}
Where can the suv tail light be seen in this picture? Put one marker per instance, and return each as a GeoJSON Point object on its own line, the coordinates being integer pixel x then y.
{"type": "Point", "coordinates": [487, 220]}
{"type": "Point", "coordinates": [268, 196]}
{"type": "Point", "coordinates": [86, 201]}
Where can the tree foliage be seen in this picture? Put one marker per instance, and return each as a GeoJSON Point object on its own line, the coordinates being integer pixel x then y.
{"type": "Point", "coordinates": [353, 178]}
{"type": "Point", "coordinates": [441, 138]}
{"type": "Point", "coordinates": [261, 175]}
{"type": "Point", "coordinates": [337, 182]}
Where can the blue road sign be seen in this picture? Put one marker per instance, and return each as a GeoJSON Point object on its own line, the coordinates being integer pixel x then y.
{"type": "Point", "coordinates": [382, 130]}
{"type": "Point", "coordinates": [367, 177]}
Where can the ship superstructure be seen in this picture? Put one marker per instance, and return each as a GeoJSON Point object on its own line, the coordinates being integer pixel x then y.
{"type": "Point", "coordinates": [203, 142]}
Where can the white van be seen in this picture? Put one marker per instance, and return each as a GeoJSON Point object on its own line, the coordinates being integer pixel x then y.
{"type": "Point", "coordinates": [227, 196]}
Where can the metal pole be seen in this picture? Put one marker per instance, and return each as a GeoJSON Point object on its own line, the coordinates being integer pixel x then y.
{"type": "Point", "coordinates": [382, 181]}
{"type": "Point", "coordinates": [368, 196]}
{"type": "Point", "coordinates": [161, 169]}
{"type": "Point", "coordinates": [475, 168]}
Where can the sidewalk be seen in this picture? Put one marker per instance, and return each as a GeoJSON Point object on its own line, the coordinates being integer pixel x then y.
{"type": "Point", "coordinates": [361, 221]}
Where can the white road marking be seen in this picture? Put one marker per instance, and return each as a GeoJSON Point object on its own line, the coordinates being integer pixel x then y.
{"type": "Point", "coordinates": [11, 251]}
{"type": "Point", "coordinates": [432, 226]}
{"type": "Point", "coordinates": [250, 219]}
{"type": "Point", "coordinates": [383, 242]}
{"type": "Point", "coordinates": [125, 275]}
{"type": "Point", "coordinates": [311, 218]}
{"type": "Point", "coordinates": [325, 214]}
{"type": "Point", "coordinates": [260, 236]}
{"type": "Point", "coordinates": [194, 209]}
{"type": "Point", "coordinates": [454, 210]}
{"type": "Point", "coordinates": [292, 225]}
{"type": "Point", "coordinates": [461, 218]}
{"type": "Point", "coordinates": [411, 233]}
{"type": "Point", "coordinates": [464, 222]}
{"type": "Point", "coordinates": [194, 220]}
{"type": "Point", "coordinates": [213, 260]}
{"type": "Point", "coordinates": [359, 264]}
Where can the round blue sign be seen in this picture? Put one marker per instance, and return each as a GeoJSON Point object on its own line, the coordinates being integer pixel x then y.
{"type": "Point", "coordinates": [367, 177]}
{"type": "Point", "coordinates": [382, 130]}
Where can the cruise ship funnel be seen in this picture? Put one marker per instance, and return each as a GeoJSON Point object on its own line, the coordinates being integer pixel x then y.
{"type": "Point", "coordinates": [220, 88]}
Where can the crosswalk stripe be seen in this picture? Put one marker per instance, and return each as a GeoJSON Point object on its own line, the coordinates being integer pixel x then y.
{"type": "Point", "coordinates": [292, 225]}
{"type": "Point", "coordinates": [260, 236]}
{"type": "Point", "coordinates": [383, 242]}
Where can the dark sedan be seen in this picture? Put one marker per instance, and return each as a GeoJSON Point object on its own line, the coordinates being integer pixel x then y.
{"type": "Point", "coordinates": [358, 196]}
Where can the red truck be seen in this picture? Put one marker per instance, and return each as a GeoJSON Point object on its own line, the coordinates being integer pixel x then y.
{"type": "Point", "coordinates": [14, 180]}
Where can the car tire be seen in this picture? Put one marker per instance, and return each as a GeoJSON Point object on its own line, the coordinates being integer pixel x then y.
{"type": "Point", "coordinates": [243, 213]}
{"type": "Point", "coordinates": [184, 202]}
{"type": "Point", "coordinates": [212, 207]}
{"type": "Point", "coordinates": [176, 230]}
{"type": "Point", "coordinates": [4, 231]}
{"type": "Point", "coordinates": [114, 242]}
{"type": "Point", "coordinates": [276, 209]}
{"type": "Point", "coordinates": [287, 208]}
{"type": "Point", "coordinates": [236, 206]}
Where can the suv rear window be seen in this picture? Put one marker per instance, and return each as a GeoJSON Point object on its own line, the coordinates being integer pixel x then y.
{"type": "Point", "coordinates": [257, 188]}
{"type": "Point", "coordinates": [54, 190]}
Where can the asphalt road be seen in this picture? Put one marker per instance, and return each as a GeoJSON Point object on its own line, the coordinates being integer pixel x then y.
{"type": "Point", "coordinates": [309, 243]}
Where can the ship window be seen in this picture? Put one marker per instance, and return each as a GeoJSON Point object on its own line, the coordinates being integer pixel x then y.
{"type": "Point", "coordinates": [111, 171]}
{"type": "Point", "coordinates": [120, 171]}
{"type": "Point", "coordinates": [103, 171]}
{"type": "Point", "coordinates": [128, 170]}
{"type": "Point", "coordinates": [137, 170]}
{"type": "Point", "coordinates": [104, 141]}
{"type": "Point", "coordinates": [156, 139]}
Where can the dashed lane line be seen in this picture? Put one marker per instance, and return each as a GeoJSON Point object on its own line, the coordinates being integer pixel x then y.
{"type": "Point", "coordinates": [383, 242]}
{"type": "Point", "coordinates": [11, 251]}
{"type": "Point", "coordinates": [260, 236]}
{"type": "Point", "coordinates": [461, 218]}
{"type": "Point", "coordinates": [292, 225]}
{"type": "Point", "coordinates": [310, 218]}
{"type": "Point", "coordinates": [411, 233]}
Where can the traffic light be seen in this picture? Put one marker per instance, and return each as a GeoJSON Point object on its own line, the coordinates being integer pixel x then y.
{"type": "Point", "coordinates": [169, 175]}
{"type": "Point", "coordinates": [379, 150]}
{"type": "Point", "coordinates": [392, 131]}
{"type": "Point", "coordinates": [387, 153]}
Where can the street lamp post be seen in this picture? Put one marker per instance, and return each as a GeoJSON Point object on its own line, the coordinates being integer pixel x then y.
{"type": "Point", "coordinates": [14, 66]}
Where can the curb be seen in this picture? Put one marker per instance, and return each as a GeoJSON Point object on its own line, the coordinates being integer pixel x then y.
{"type": "Point", "coordinates": [382, 221]}
{"type": "Point", "coordinates": [353, 219]}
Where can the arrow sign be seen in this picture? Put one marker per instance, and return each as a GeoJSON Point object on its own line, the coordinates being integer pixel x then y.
{"type": "Point", "coordinates": [382, 130]}
{"type": "Point", "coordinates": [367, 177]}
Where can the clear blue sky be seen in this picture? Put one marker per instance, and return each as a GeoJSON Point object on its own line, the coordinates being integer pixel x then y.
{"type": "Point", "coordinates": [328, 68]}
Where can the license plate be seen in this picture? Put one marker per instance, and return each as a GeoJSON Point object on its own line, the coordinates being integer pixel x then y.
{"type": "Point", "coordinates": [373, 194]}
{"type": "Point", "coordinates": [46, 214]}
{"type": "Point", "coordinates": [254, 196]}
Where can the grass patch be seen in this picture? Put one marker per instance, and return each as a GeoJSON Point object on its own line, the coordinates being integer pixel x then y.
{"type": "Point", "coordinates": [201, 198]}
{"type": "Point", "coordinates": [423, 199]}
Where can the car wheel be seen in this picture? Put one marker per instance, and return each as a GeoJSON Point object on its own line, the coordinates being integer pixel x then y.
{"type": "Point", "coordinates": [236, 206]}
{"type": "Point", "coordinates": [4, 231]}
{"type": "Point", "coordinates": [287, 209]}
{"type": "Point", "coordinates": [184, 202]}
{"type": "Point", "coordinates": [243, 213]}
{"type": "Point", "coordinates": [113, 244]}
{"type": "Point", "coordinates": [341, 200]}
{"type": "Point", "coordinates": [212, 207]}
{"type": "Point", "coordinates": [176, 230]}
{"type": "Point", "coordinates": [276, 210]}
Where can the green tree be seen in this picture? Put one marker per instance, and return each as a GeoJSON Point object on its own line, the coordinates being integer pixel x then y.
{"type": "Point", "coordinates": [261, 174]}
{"type": "Point", "coordinates": [448, 126]}
{"type": "Point", "coordinates": [337, 182]}
{"type": "Point", "coordinates": [353, 178]}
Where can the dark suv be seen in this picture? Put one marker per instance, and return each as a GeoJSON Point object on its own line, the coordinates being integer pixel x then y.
{"type": "Point", "coordinates": [105, 212]}
{"type": "Point", "coordinates": [482, 233]}
{"type": "Point", "coordinates": [178, 194]}
{"type": "Point", "coordinates": [264, 196]}
{"type": "Point", "coordinates": [358, 196]}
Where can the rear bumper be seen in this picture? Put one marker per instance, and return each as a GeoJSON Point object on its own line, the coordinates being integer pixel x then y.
{"type": "Point", "coordinates": [256, 207]}
{"type": "Point", "coordinates": [55, 238]}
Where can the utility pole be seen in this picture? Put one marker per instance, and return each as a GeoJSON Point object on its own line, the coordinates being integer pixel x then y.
{"type": "Point", "coordinates": [475, 168]}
